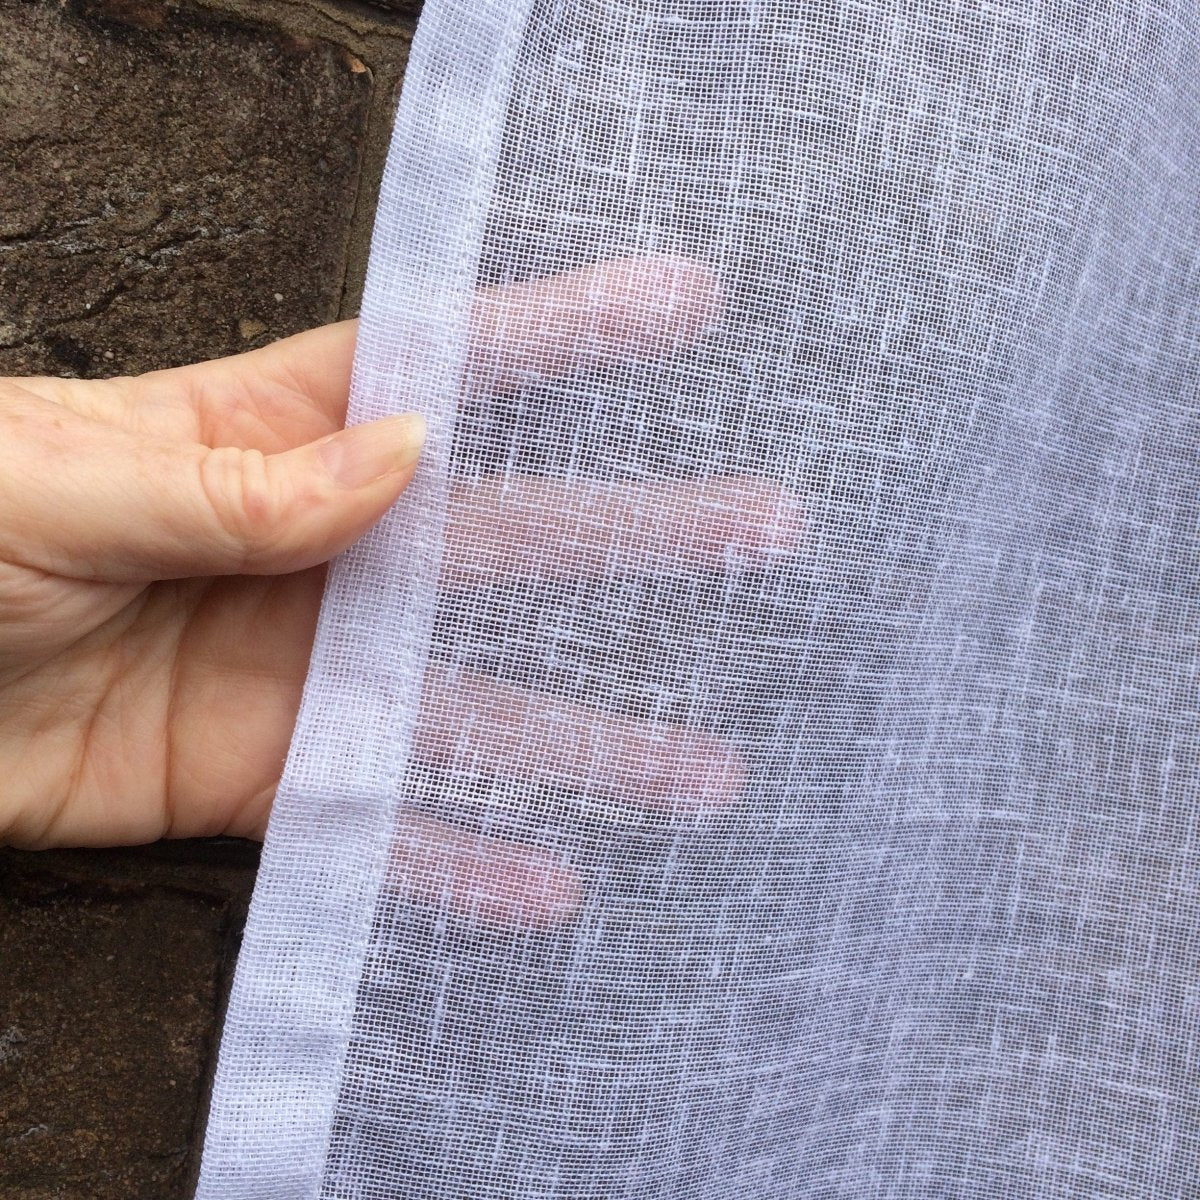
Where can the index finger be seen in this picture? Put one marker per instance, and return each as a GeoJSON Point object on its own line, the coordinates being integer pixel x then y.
{"type": "Point", "coordinates": [632, 308]}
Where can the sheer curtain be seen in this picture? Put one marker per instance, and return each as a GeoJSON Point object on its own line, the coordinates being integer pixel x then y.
{"type": "Point", "coordinates": [758, 757]}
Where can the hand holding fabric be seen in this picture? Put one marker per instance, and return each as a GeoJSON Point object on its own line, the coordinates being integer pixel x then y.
{"type": "Point", "coordinates": [161, 542]}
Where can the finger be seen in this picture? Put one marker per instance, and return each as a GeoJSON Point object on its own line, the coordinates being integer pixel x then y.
{"type": "Point", "coordinates": [630, 308]}
{"type": "Point", "coordinates": [479, 879]}
{"type": "Point", "coordinates": [269, 399]}
{"type": "Point", "coordinates": [79, 497]}
{"type": "Point", "coordinates": [476, 725]}
{"type": "Point", "coordinates": [634, 307]}
{"type": "Point", "coordinates": [272, 398]}
{"type": "Point", "coordinates": [296, 390]}
{"type": "Point", "coordinates": [554, 529]}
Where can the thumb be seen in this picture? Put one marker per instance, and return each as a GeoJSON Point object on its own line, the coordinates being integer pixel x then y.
{"type": "Point", "coordinates": [81, 498]}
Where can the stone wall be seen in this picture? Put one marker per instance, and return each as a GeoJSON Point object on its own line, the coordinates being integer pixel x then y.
{"type": "Point", "coordinates": [179, 179]}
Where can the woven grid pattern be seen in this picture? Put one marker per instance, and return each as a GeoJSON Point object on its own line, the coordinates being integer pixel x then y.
{"type": "Point", "coordinates": [759, 758]}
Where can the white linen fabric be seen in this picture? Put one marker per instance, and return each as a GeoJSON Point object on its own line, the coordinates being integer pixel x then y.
{"type": "Point", "coordinates": [759, 757]}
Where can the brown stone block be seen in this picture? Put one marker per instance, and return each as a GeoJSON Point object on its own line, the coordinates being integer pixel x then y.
{"type": "Point", "coordinates": [113, 968]}
{"type": "Point", "coordinates": [174, 185]}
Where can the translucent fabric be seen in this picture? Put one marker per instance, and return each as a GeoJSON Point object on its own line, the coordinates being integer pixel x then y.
{"type": "Point", "coordinates": [759, 756]}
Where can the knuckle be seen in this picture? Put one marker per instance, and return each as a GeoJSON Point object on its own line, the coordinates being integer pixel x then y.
{"type": "Point", "coordinates": [247, 499]}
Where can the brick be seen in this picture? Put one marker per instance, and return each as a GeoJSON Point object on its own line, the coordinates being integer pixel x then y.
{"type": "Point", "coordinates": [164, 174]}
{"type": "Point", "coordinates": [114, 966]}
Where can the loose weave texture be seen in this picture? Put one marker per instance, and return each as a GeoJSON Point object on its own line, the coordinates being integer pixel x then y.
{"type": "Point", "coordinates": [758, 758]}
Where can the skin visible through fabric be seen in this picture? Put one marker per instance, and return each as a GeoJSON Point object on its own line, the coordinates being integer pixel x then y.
{"type": "Point", "coordinates": [760, 758]}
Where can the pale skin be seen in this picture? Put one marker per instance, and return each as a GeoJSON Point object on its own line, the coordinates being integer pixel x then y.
{"type": "Point", "coordinates": [162, 541]}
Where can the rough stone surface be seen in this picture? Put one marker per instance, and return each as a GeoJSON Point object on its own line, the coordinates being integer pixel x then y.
{"type": "Point", "coordinates": [114, 966]}
{"type": "Point", "coordinates": [409, 8]}
{"type": "Point", "coordinates": [163, 175]}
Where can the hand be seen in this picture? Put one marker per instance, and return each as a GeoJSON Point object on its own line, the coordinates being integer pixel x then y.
{"type": "Point", "coordinates": [160, 548]}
